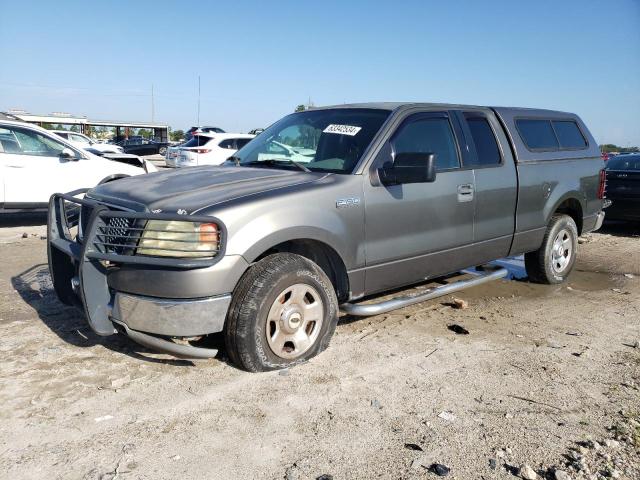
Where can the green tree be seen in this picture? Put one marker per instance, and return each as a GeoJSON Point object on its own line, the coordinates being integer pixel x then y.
{"type": "Point", "coordinates": [300, 108]}
{"type": "Point", "coordinates": [611, 148]}
{"type": "Point", "coordinates": [176, 135]}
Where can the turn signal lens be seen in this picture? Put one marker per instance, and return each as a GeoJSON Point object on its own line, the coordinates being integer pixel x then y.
{"type": "Point", "coordinates": [209, 233]}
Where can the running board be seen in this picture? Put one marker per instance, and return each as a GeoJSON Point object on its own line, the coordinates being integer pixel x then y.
{"type": "Point", "coordinates": [365, 310]}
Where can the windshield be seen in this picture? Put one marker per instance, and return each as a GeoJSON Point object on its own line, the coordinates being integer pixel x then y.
{"type": "Point", "coordinates": [624, 162]}
{"type": "Point", "coordinates": [321, 140]}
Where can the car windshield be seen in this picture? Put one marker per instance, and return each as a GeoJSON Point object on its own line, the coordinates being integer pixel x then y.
{"type": "Point", "coordinates": [331, 140]}
{"type": "Point", "coordinates": [624, 162]}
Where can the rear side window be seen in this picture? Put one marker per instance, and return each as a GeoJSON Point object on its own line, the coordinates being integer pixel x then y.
{"type": "Point", "coordinates": [568, 133]}
{"type": "Point", "coordinates": [228, 144]}
{"type": "Point", "coordinates": [197, 141]}
{"type": "Point", "coordinates": [241, 142]}
{"type": "Point", "coordinates": [487, 151]}
{"type": "Point", "coordinates": [537, 134]}
{"type": "Point", "coordinates": [429, 135]}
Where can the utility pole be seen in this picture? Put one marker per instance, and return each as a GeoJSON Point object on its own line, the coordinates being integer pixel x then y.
{"type": "Point", "coordinates": [152, 106]}
{"type": "Point", "coordinates": [198, 120]}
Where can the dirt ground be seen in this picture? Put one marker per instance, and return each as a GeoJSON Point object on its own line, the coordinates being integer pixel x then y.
{"type": "Point", "coordinates": [548, 376]}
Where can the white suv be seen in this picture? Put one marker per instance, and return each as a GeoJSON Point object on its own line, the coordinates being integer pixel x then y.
{"type": "Point", "coordinates": [35, 163]}
{"type": "Point", "coordinates": [206, 149]}
{"type": "Point", "coordinates": [82, 141]}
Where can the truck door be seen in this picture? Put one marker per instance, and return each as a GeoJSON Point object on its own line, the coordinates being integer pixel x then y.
{"type": "Point", "coordinates": [489, 155]}
{"type": "Point", "coordinates": [420, 230]}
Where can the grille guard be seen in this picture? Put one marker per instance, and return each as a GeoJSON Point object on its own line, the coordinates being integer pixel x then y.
{"type": "Point", "coordinates": [78, 268]}
{"type": "Point", "coordinates": [63, 219]}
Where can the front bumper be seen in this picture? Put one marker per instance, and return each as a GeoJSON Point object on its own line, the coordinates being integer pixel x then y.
{"type": "Point", "coordinates": [169, 316]}
{"type": "Point", "coordinates": [80, 274]}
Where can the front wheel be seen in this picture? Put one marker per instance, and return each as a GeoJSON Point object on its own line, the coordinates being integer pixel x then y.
{"type": "Point", "coordinates": [283, 312]}
{"type": "Point", "coordinates": [553, 261]}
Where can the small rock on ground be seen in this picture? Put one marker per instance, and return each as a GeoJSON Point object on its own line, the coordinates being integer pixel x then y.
{"type": "Point", "coordinates": [460, 304]}
{"type": "Point", "coordinates": [528, 473]}
{"type": "Point", "coordinates": [440, 469]}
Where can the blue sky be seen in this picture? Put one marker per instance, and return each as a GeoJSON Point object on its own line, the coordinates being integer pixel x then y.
{"type": "Point", "coordinates": [257, 60]}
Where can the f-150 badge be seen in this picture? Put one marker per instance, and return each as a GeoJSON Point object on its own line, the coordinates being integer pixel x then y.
{"type": "Point", "coordinates": [347, 202]}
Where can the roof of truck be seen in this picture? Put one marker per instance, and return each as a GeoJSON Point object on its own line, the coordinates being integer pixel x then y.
{"type": "Point", "coordinates": [396, 105]}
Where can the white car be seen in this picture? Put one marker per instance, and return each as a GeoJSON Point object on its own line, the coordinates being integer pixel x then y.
{"type": "Point", "coordinates": [35, 163]}
{"type": "Point", "coordinates": [206, 149]}
{"type": "Point", "coordinates": [82, 141]}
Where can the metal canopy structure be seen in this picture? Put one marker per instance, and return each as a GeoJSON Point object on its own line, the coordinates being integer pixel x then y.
{"type": "Point", "coordinates": [160, 131]}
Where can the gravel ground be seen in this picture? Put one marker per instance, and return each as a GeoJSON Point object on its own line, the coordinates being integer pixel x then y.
{"type": "Point", "coordinates": [545, 384]}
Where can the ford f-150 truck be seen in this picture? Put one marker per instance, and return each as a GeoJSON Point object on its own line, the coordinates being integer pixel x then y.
{"type": "Point", "coordinates": [324, 208]}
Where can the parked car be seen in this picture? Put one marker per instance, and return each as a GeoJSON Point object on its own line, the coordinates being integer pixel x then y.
{"type": "Point", "coordinates": [267, 249]}
{"type": "Point", "coordinates": [623, 187]}
{"type": "Point", "coordinates": [206, 149]}
{"type": "Point", "coordinates": [128, 158]}
{"type": "Point", "coordinates": [142, 146]}
{"type": "Point", "coordinates": [195, 130]}
{"type": "Point", "coordinates": [35, 163]}
{"type": "Point", "coordinates": [82, 141]}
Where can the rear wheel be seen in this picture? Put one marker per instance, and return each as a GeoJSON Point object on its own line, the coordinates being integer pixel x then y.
{"type": "Point", "coordinates": [283, 312]}
{"type": "Point", "coordinates": [553, 261]}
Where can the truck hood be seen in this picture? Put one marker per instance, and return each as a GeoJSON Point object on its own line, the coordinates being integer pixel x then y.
{"type": "Point", "coordinates": [195, 188]}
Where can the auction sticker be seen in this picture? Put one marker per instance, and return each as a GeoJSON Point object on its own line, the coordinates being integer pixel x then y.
{"type": "Point", "coordinates": [342, 129]}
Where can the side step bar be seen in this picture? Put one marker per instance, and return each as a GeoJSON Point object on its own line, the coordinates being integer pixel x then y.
{"type": "Point", "coordinates": [365, 310]}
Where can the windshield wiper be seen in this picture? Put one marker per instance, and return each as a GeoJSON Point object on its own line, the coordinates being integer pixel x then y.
{"type": "Point", "coordinates": [273, 161]}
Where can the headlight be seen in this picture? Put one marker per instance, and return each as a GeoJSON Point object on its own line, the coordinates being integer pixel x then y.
{"type": "Point", "coordinates": [169, 238]}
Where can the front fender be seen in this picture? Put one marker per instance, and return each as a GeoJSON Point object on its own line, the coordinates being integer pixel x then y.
{"type": "Point", "coordinates": [257, 226]}
{"type": "Point", "coordinates": [297, 233]}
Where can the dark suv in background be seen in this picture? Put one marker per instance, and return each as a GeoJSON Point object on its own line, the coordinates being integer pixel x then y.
{"type": "Point", "coordinates": [623, 187]}
{"type": "Point", "coordinates": [142, 146]}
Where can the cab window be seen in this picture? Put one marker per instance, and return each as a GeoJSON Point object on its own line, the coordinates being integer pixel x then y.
{"type": "Point", "coordinates": [486, 145]}
{"type": "Point", "coordinates": [428, 134]}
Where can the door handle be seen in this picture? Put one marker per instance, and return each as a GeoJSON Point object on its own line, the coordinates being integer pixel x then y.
{"type": "Point", "coordinates": [465, 193]}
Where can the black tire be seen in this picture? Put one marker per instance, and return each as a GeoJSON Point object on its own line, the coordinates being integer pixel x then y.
{"type": "Point", "coordinates": [544, 265]}
{"type": "Point", "coordinates": [162, 151]}
{"type": "Point", "coordinates": [256, 293]}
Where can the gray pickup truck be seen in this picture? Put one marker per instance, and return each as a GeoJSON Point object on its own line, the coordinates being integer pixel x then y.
{"type": "Point", "coordinates": [322, 209]}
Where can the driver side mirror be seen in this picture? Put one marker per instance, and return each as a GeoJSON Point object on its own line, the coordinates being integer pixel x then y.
{"type": "Point", "coordinates": [409, 168]}
{"type": "Point", "coordinates": [68, 154]}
